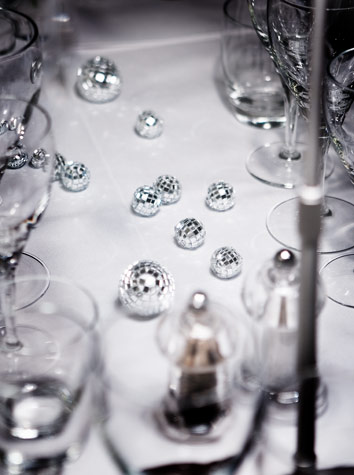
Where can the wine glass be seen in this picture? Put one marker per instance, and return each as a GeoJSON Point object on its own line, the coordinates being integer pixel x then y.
{"type": "Point", "coordinates": [279, 163]}
{"type": "Point", "coordinates": [46, 392]}
{"type": "Point", "coordinates": [26, 172]}
{"type": "Point", "coordinates": [339, 272]}
{"type": "Point", "coordinates": [290, 23]}
{"type": "Point", "coordinates": [21, 76]}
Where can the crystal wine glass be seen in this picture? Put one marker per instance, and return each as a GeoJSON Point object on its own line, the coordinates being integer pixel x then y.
{"type": "Point", "coordinates": [21, 77]}
{"type": "Point", "coordinates": [279, 163]}
{"type": "Point", "coordinates": [26, 172]}
{"type": "Point", "coordinates": [46, 393]}
{"type": "Point", "coordinates": [339, 272]}
{"type": "Point", "coordinates": [290, 23]}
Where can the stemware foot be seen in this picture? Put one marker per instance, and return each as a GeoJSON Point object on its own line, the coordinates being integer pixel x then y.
{"type": "Point", "coordinates": [338, 277]}
{"type": "Point", "coordinates": [268, 165]}
{"type": "Point", "coordinates": [337, 226]}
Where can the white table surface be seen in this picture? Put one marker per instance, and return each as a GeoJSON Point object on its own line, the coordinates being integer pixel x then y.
{"type": "Point", "coordinates": [168, 56]}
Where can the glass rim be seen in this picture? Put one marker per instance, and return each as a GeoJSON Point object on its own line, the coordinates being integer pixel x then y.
{"type": "Point", "coordinates": [312, 7]}
{"type": "Point", "coordinates": [227, 14]}
{"type": "Point", "coordinates": [92, 323]}
{"type": "Point", "coordinates": [330, 74]}
{"type": "Point", "coordinates": [32, 40]}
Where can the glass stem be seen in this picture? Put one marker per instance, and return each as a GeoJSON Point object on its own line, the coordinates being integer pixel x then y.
{"type": "Point", "coordinates": [289, 151]}
{"type": "Point", "coordinates": [7, 296]}
{"type": "Point", "coordinates": [324, 147]}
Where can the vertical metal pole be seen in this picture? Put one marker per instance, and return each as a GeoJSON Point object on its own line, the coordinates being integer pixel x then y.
{"type": "Point", "coordinates": [311, 196]}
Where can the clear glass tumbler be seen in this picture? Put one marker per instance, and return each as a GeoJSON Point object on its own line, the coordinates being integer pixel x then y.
{"type": "Point", "coordinates": [253, 87]}
{"type": "Point", "coordinates": [46, 391]}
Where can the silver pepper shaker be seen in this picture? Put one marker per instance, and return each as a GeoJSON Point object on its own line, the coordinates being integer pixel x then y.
{"type": "Point", "coordinates": [271, 297]}
{"type": "Point", "coordinates": [199, 344]}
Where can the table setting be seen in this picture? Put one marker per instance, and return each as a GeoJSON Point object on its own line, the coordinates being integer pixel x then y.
{"type": "Point", "coordinates": [161, 312]}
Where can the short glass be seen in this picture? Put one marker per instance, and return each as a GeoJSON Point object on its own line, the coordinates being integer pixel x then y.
{"type": "Point", "coordinates": [46, 396]}
{"type": "Point", "coordinates": [253, 87]}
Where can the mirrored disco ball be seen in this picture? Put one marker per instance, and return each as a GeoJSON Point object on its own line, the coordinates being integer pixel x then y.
{"type": "Point", "coordinates": [146, 201]}
{"type": "Point", "coordinates": [226, 262]}
{"type": "Point", "coordinates": [15, 124]}
{"type": "Point", "coordinates": [38, 158]}
{"type": "Point", "coordinates": [189, 233]}
{"type": "Point", "coordinates": [146, 288]}
{"type": "Point", "coordinates": [220, 196]}
{"type": "Point", "coordinates": [169, 188]}
{"type": "Point", "coordinates": [98, 80]}
{"type": "Point", "coordinates": [149, 125]}
{"type": "Point", "coordinates": [17, 157]}
{"type": "Point", "coordinates": [59, 166]}
{"type": "Point", "coordinates": [75, 176]}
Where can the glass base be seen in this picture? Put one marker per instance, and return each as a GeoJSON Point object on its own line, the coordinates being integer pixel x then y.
{"type": "Point", "coordinates": [283, 406]}
{"type": "Point", "coordinates": [338, 277]}
{"type": "Point", "coordinates": [36, 288]}
{"type": "Point", "coordinates": [265, 123]}
{"type": "Point", "coordinates": [51, 468]}
{"type": "Point", "coordinates": [267, 165]}
{"type": "Point", "coordinates": [337, 228]}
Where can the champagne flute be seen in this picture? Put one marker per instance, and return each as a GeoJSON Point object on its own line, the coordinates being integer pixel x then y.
{"type": "Point", "coordinates": [26, 172]}
{"type": "Point", "coordinates": [290, 23]}
{"type": "Point", "coordinates": [279, 163]}
{"type": "Point", "coordinates": [338, 273]}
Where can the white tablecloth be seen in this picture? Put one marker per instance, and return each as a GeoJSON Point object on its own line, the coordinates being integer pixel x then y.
{"type": "Point", "coordinates": [168, 56]}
